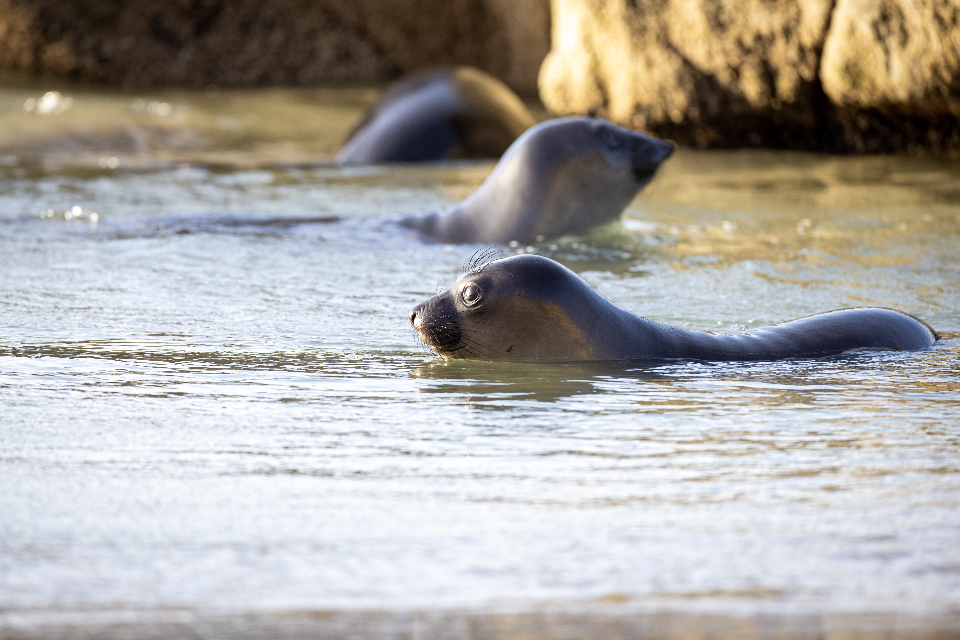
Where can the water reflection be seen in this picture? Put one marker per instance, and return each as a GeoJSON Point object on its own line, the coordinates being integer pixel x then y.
{"type": "Point", "coordinates": [712, 388]}
{"type": "Point", "coordinates": [495, 384]}
{"type": "Point", "coordinates": [79, 125]}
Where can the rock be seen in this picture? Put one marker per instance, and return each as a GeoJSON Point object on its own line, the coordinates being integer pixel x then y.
{"type": "Point", "coordinates": [886, 52]}
{"type": "Point", "coordinates": [892, 70]}
{"type": "Point", "coordinates": [830, 75]}
{"type": "Point", "coordinates": [705, 72]}
{"type": "Point", "coordinates": [855, 75]}
{"type": "Point", "coordinates": [196, 43]}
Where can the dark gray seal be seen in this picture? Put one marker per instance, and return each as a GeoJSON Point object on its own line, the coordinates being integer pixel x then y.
{"type": "Point", "coordinates": [531, 308]}
{"type": "Point", "coordinates": [437, 115]}
{"type": "Point", "coordinates": [561, 176]}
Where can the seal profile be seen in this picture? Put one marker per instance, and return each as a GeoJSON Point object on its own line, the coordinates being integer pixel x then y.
{"type": "Point", "coordinates": [435, 115]}
{"type": "Point", "coordinates": [531, 308]}
{"type": "Point", "coordinates": [561, 176]}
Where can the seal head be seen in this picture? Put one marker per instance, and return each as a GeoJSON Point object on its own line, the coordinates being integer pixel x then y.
{"type": "Point", "coordinates": [520, 308]}
{"type": "Point", "coordinates": [437, 115]}
{"type": "Point", "coordinates": [531, 308]}
{"type": "Point", "coordinates": [561, 176]}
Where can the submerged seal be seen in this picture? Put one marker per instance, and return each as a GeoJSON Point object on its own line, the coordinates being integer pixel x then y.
{"type": "Point", "coordinates": [435, 115]}
{"type": "Point", "coordinates": [531, 308]}
{"type": "Point", "coordinates": [561, 176]}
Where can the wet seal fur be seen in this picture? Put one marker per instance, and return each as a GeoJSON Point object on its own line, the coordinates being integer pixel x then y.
{"type": "Point", "coordinates": [561, 176]}
{"type": "Point", "coordinates": [531, 308]}
{"type": "Point", "coordinates": [436, 115]}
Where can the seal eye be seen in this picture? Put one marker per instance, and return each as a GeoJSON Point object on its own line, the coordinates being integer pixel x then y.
{"type": "Point", "coordinates": [471, 295]}
{"type": "Point", "coordinates": [611, 138]}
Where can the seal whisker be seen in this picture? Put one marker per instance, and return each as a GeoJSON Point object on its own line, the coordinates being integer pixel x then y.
{"type": "Point", "coordinates": [469, 348]}
{"type": "Point", "coordinates": [421, 343]}
{"type": "Point", "coordinates": [474, 344]}
{"type": "Point", "coordinates": [476, 356]}
{"type": "Point", "coordinates": [480, 356]}
{"type": "Point", "coordinates": [479, 259]}
{"type": "Point", "coordinates": [475, 331]}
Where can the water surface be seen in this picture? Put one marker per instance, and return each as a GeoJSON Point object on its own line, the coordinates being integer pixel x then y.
{"type": "Point", "coordinates": [207, 412]}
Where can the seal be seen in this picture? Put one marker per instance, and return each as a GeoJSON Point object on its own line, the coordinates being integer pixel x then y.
{"type": "Point", "coordinates": [453, 113]}
{"type": "Point", "coordinates": [531, 308]}
{"type": "Point", "coordinates": [561, 176]}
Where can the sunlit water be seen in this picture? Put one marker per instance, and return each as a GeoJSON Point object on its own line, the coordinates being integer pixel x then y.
{"type": "Point", "coordinates": [206, 410]}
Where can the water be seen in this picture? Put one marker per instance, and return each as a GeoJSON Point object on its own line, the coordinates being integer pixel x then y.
{"type": "Point", "coordinates": [205, 416]}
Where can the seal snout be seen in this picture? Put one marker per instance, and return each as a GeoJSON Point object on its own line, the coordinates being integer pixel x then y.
{"type": "Point", "coordinates": [437, 329]}
{"type": "Point", "coordinates": [650, 154]}
{"type": "Point", "coordinates": [666, 149]}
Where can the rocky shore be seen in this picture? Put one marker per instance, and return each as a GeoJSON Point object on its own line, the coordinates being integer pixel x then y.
{"type": "Point", "coordinates": [829, 75]}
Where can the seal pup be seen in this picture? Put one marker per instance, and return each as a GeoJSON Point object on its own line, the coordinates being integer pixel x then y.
{"type": "Point", "coordinates": [531, 308]}
{"type": "Point", "coordinates": [561, 176]}
{"type": "Point", "coordinates": [436, 115]}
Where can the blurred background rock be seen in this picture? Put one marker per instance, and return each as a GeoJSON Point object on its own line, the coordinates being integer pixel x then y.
{"type": "Point", "coordinates": [833, 75]}
{"type": "Point", "coordinates": [830, 75]}
{"type": "Point", "coordinates": [197, 43]}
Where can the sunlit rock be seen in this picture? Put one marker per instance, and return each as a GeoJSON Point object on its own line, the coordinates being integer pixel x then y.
{"type": "Point", "coordinates": [815, 74]}
{"type": "Point", "coordinates": [904, 52]}
{"type": "Point", "coordinates": [892, 68]}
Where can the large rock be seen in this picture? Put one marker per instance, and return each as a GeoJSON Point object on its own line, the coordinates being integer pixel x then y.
{"type": "Point", "coordinates": [892, 70]}
{"type": "Point", "coordinates": [197, 43]}
{"type": "Point", "coordinates": [886, 52]}
{"type": "Point", "coordinates": [850, 75]}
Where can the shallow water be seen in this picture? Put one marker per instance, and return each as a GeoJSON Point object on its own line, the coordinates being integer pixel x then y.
{"type": "Point", "coordinates": [206, 410]}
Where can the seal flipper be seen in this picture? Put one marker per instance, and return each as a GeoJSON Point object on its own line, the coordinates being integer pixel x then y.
{"type": "Point", "coordinates": [423, 223]}
{"type": "Point", "coordinates": [447, 225]}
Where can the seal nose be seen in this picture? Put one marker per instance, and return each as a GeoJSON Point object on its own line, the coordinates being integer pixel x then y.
{"type": "Point", "coordinates": [418, 316]}
{"type": "Point", "coordinates": [651, 152]}
{"type": "Point", "coordinates": [666, 149]}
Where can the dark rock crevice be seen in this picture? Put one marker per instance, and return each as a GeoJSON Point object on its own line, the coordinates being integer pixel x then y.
{"type": "Point", "coordinates": [197, 43]}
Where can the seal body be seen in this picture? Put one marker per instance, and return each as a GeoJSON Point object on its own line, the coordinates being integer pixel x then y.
{"type": "Point", "coordinates": [531, 308]}
{"type": "Point", "coordinates": [436, 115]}
{"type": "Point", "coordinates": [561, 176]}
